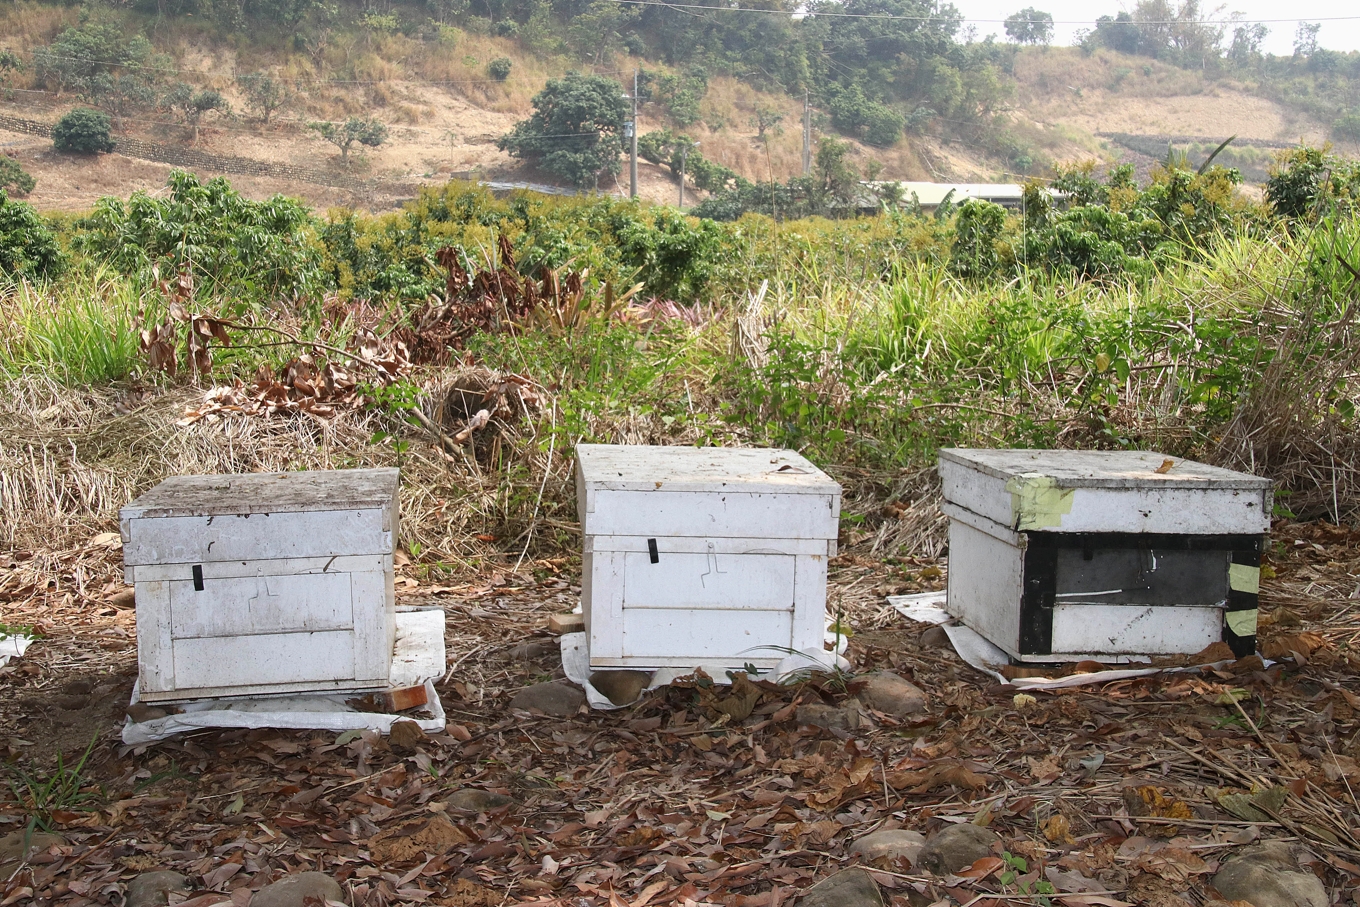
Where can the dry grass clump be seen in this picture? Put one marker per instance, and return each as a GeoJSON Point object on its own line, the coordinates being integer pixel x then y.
{"type": "Point", "coordinates": [69, 459]}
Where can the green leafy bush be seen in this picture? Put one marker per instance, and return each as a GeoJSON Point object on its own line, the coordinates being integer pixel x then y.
{"type": "Point", "coordinates": [499, 68]}
{"type": "Point", "coordinates": [15, 177]}
{"type": "Point", "coordinates": [83, 131]}
{"type": "Point", "coordinates": [28, 248]}
{"type": "Point", "coordinates": [242, 249]}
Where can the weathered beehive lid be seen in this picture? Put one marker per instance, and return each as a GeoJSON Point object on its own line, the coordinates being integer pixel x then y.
{"type": "Point", "coordinates": [262, 515]}
{"type": "Point", "coordinates": [1104, 491]}
{"type": "Point", "coordinates": [752, 492]}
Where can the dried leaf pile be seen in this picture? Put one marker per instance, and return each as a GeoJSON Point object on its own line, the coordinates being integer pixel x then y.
{"type": "Point", "coordinates": [1130, 792]}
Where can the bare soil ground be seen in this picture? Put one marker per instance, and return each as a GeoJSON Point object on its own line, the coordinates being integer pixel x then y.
{"type": "Point", "coordinates": [1123, 787]}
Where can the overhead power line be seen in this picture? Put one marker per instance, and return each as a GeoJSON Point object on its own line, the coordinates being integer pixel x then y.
{"type": "Point", "coordinates": [949, 19]}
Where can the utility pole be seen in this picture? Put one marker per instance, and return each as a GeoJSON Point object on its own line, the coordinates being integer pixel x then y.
{"type": "Point", "coordinates": [807, 135]}
{"type": "Point", "coordinates": [633, 130]}
{"type": "Point", "coordinates": [684, 153]}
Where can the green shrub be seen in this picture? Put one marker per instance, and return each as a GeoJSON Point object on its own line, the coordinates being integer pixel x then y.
{"type": "Point", "coordinates": [13, 176]}
{"type": "Point", "coordinates": [28, 248]}
{"type": "Point", "coordinates": [82, 131]}
{"type": "Point", "coordinates": [1347, 126]}
{"type": "Point", "coordinates": [977, 233]}
{"type": "Point", "coordinates": [499, 68]}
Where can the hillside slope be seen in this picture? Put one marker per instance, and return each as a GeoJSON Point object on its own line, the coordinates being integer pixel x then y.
{"type": "Point", "coordinates": [444, 114]}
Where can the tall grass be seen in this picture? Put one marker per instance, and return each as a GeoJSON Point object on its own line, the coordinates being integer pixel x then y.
{"type": "Point", "coordinates": [81, 331]}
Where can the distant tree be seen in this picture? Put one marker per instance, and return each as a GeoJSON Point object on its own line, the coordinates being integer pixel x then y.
{"type": "Point", "coordinates": [1306, 39]}
{"type": "Point", "coordinates": [82, 131]}
{"type": "Point", "coordinates": [1120, 33]}
{"type": "Point", "coordinates": [264, 93]}
{"type": "Point", "coordinates": [766, 120]}
{"type": "Point", "coordinates": [1030, 26]}
{"type": "Point", "coordinates": [76, 59]}
{"type": "Point", "coordinates": [574, 131]}
{"type": "Point", "coordinates": [1246, 43]}
{"type": "Point", "coordinates": [13, 176]}
{"type": "Point", "coordinates": [836, 184]}
{"type": "Point", "coordinates": [191, 106]}
{"type": "Point", "coordinates": [10, 63]}
{"type": "Point", "coordinates": [499, 68]}
{"type": "Point", "coordinates": [368, 132]}
{"type": "Point", "coordinates": [121, 93]}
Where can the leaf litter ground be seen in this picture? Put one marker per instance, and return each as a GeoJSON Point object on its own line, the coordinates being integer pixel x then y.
{"type": "Point", "coordinates": [1128, 792]}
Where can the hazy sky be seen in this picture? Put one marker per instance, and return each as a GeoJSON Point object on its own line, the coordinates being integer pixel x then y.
{"type": "Point", "coordinates": [1070, 15]}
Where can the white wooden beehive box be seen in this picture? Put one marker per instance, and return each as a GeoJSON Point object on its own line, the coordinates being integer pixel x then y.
{"type": "Point", "coordinates": [1073, 555]}
{"type": "Point", "coordinates": [263, 583]}
{"type": "Point", "coordinates": [703, 557]}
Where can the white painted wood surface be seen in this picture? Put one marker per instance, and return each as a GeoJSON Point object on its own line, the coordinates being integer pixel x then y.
{"type": "Point", "coordinates": [1104, 491]}
{"type": "Point", "coordinates": [296, 575]}
{"type": "Point", "coordinates": [1103, 630]}
{"type": "Point", "coordinates": [742, 538]}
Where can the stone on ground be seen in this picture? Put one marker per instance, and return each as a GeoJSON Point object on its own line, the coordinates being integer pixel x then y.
{"type": "Point", "coordinates": [152, 889]}
{"type": "Point", "coordinates": [847, 888]}
{"type": "Point", "coordinates": [956, 847]}
{"type": "Point", "coordinates": [819, 714]}
{"type": "Point", "coordinates": [1268, 875]}
{"type": "Point", "coordinates": [621, 687]}
{"type": "Point", "coordinates": [294, 890]}
{"type": "Point", "coordinates": [893, 695]}
{"type": "Point", "coordinates": [475, 800]}
{"type": "Point", "coordinates": [936, 638]}
{"type": "Point", "coordinates": [555, 698]}
{"type": "Point", "coordinates": [534, 648]}
{"type": "Point", "coordinates": [891, 844]}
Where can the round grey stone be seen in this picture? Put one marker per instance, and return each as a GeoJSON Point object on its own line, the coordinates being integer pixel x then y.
{"type": "Point", "coordinates": [891, 844]}
{"type": "Point", "coordinates": [555, 698]}
{"type": "Point", "coordinates": [847, 888]}
{"type": "Point", "coordinates": [475, 800]}
{"type": "Point", "coordinates": [294, 890]}
{"type": "Point", "coordinates": [956, 847]}
{"type": "Point", "coordinates": [886, 692]}
{"type": "Point", "coordinates": [152, 889]}
{"type": "Point", "coordinates": [1268, 875]}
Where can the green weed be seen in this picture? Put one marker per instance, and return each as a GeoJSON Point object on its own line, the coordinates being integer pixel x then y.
{"type": "Point", "coordinates": [45, 796]}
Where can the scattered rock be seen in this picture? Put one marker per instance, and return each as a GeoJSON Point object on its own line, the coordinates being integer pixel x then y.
{"type": "Point", "coordinates": [406, 733]}
{"type": "Point", "coordinates": [936, 638]}
{"type": "Point", "coordinates": [847, 888]}
{"type": "Point", "coordinates": [534, 648]}
{"type": "Point", "coordinates": [475, 800]}
{"type": "Point", "coordinates": [819, 714]}
{"type": "Point", "coordinates": [956, 847]}
{"type": "Point", "coordinates": [294, 890]}
{"type": "Point", "coordinates": [621, 687]}
{"type": "Point", "coordinates": [1268, 875]}
{"type": "Point", "coordinates": [887, 692]}
{"type": "Point", "coordinates": [152, 889]}
{"type": "Point", "coordinates": [555, 698]}
{"type": "Point", "coordinates": [891, 845]}
{"type": "Point", "coordinates": [12, 848]}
